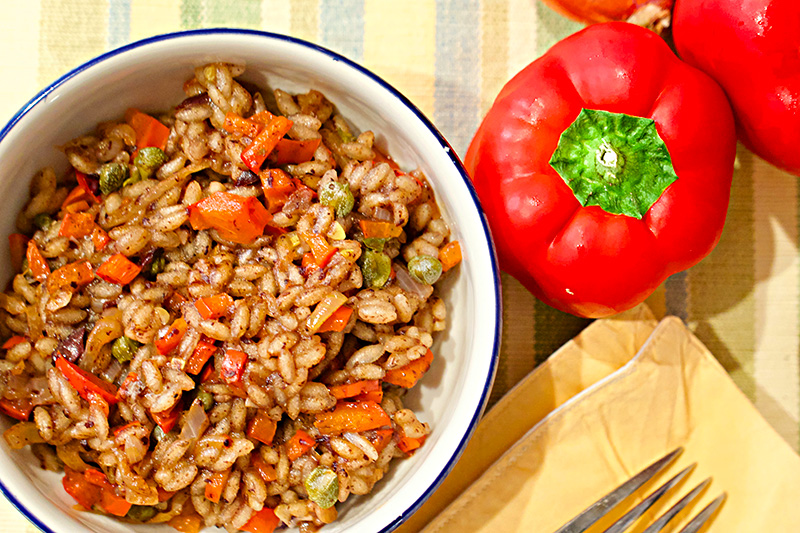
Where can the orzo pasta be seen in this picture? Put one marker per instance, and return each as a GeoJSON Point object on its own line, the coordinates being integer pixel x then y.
{"type": "Point", "coordinates": [216, 311]}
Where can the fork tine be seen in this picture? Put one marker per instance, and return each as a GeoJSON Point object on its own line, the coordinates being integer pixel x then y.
{"type": "Point", "coordinates": [664, 519]}
{"type": "Point", "coordinates": [704, 515]}
{"type": "Point", "coordinates": [598, 509]}
{"type": "Point", "coordinates": [631, 516]}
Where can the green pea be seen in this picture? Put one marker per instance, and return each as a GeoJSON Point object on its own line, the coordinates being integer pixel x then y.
{"type": "Point", "coordinates": [337, 196]}
{"type": "Point", "coordinates": [322, 485]}
{"type": "Point", "coordinates": [112, 176]}
{"type": "Point", "coordinates": [124, 348]}
{"type": "Point", "coordinates": [148, 160]}
{"type": "Point", "coordinates": [425, 269]}
{"type": "Point", "coordinates": [376, 267]}
{"type": "Point", "coordinates": [42, 221]}
{"type": "Point", "coordinates": [206, 398]}
{"type": "Point", "coordinates": [141, 513]}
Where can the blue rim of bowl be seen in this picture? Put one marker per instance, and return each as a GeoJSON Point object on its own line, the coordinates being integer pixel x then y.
{"type": "Point", "coordinates": [42, 95]}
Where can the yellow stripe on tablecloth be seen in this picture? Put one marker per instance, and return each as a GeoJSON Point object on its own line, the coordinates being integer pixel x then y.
{"type": "Point", "coordinates": [494, 50]}
{"type": "Point", "coordinates": [152, 17]}
{"type": "Point", "coordinates": [777, 271]}
{"type": "Point", "coordinates": [400, 46]}
{"type": "Point", "coordinates": [19, 25]}
{"type": "Point", "coordinates": [523, 25]}
{"type": "Point", "coordinates": [276, 16]}
{"type": "Point", "coordinates": [71, 33]}
{"type": "Point", "coordinates": [304, 19]}
{"type": "Point", "coordinates": [721, 304]}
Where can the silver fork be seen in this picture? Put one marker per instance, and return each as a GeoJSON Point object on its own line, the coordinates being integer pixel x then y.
{"type": "Point", "coordinates": [605, 504]}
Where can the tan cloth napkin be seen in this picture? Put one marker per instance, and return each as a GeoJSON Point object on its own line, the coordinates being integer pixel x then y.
{"type": "Point", "coordinates": [625, 399]}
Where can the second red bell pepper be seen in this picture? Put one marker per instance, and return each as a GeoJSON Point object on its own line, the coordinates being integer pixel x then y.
{"type": "Point", "coordinates": [604, 167]}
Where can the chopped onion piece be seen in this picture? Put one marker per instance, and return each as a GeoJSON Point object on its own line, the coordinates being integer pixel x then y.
{"type": "Point", "coordinates": [406, 282]}
{"type": "Point", "coordinates": [195, 422]}
{"type": "Point", "coordinates": [363, 444]}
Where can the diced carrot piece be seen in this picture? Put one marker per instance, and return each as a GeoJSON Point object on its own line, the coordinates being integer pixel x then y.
{"type": "Point", "coordinates": [262, 117]}
{"type": "Point", "coordinates": [166, 420]}
{"type": "Point", "coordinates": [149, 131]}
{"type": "Point", "coordinates": [202, 353]}
{"type": "Point", "coordinates": [233, 366]}
{"type": "Point", "coordinates": [408, 375]}
{"type": "Point", "coordinates": [379, 229]}
{"type": "Point", "coordinates": [299, 444]}
{"type": "Point", "coordinates": [322, 250]}
{"type": "Point", "coordinates": [170, 340]}
{"type": "Point", "coordinates": [118, 269]}
{"type": "Point", "coordinates": [81, 490]}
{"type": "Point", "coordinates": [381, 438]}
{"type": "Point", "coordinates": [76, 225]}
{"type": "Point", "coordinates": [450, 255]}
{"type": "Point", "coordinates": [129, 425]}
{"type": "Point", "coordinates": [236, 218]}
{"type": "Point", "coordinates": [262, 428]}
{"type": "Point", "coordinates": [370, 396]}
{"type": "Point", "coordinates": [266, 471]}
{"type": "Point", "coordinates": [99, 238]}
{"type": "Point", "coordinates": [164, 495]}
{"type": "Point", "coordinates": [348, 390]}
{"type": "Point", "coordinates": [213, 307]}
{"type": "Point", "coordinates": [71, 277]}
{"type": "Point", "coordinates": [338, 320]}
{"type": "Point", "coordinates": [97, 400]}
{"type": "Point", "coordinates": [187, 522]}
{"type": "Point", "coordinates": [77, 200]}
{"type": "Point", "coordinates": [409, 444]}
{"type": "Point", "coordinates": [85, 382]}
{"type": "Point", "coordinates": [264, 521]}
{"type": "Point", "coordinates": [255, 154]}
{"type": "Point", "coordinates": [13, 341]}
{"type": "Point", "coordinates": [83, 183]}
{"type": "Point", "coordinates": [19, 409]}
{"type": "Point", "coordinates": [352, 416]}
{"type": "Point", "coordinates": [17, 246]}
{"type": "Point", "coordinates": [215, 484]}
{"type": "Point", "coordinates": [277, 186]}
{"type": "Point", "coordinates": [292, 152]}
{"type": "Point", "coordinates": [36, 262]}
{"type": "Point", "coordinates": [237, 124]}
{"type": "Point", "coordinates": [174, 302]}
{"type": "Point", "coordinates": [308, 265]}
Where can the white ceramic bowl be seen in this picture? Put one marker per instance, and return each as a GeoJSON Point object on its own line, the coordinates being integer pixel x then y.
{"type": "Point", "coordinates": [148, 75]}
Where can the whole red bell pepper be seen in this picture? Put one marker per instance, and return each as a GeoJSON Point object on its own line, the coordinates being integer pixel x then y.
{"type": "Point", "coordinates": [752, 49]}
{"type": "Point", "coordinates": [604, 167]}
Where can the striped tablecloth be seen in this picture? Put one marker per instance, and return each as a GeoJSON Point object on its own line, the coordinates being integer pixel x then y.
{"type": "Point", "coordinates": [451, 58]}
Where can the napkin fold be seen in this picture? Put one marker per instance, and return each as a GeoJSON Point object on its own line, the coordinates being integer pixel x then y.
{"type": "Point", "coordinates": [617, 397]}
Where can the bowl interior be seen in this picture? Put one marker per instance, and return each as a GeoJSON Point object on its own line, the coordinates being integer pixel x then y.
{"type": "Point", "coordinates": [149, 75]}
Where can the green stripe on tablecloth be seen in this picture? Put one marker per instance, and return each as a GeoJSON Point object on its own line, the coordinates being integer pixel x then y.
{"type": "Point", "coordinates": [552, 27]}
{"type": "Point", "coordinates": [71, 33]}
{"type": "Point", "coordinates": [119, 22]}
{"type": "Point", "coordinates": [239, 13]}
{"type": "Point", "coordinates": [720, 288]}
{"type": "Point", "coordinates": [191, 14]}
{"type": "Point", "coordinates": [494, 51]}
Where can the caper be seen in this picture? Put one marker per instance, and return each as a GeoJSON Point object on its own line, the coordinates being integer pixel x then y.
{"type": "Point", "coordinates": [156, 267]}
{"type": "Point", "coordinates": [376, 267]}
{"type": "Point", "coordinates": [134, 177]}
{"type": "Point", "coordinates": [124, 348]}
{"type": "Point", "coordinates": [141, 513]}
{"type": "Point", "coordinates": [337, 196]}
{"type": "Point", "coordinates": [158, 433]}
{"type": "Point", "coordinates": [206, 398]}
{"type": "Point", "coordinates": [425, 269]}
{"type": "Point", "coordinates": [374, 243]}
{"type": "Point", "coordinates": [148, 160]}
{"type": "Point", "coordinates": [42, 221]}
{"type": "Point", "coordinates": [322, 485]}
{"type": "Point", "coordinates": [112, 176]}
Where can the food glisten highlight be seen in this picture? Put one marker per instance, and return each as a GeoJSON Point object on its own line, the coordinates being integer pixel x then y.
{"type": "Point", "coordinates": [217, 312]}
{"type": "Point", "coordinates": [604, 167]}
